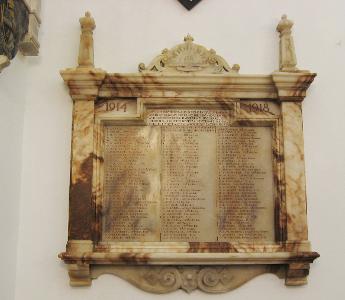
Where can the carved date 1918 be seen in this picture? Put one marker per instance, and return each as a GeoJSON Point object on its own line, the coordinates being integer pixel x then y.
{"type": "Point", "coordinates": [255, 107]}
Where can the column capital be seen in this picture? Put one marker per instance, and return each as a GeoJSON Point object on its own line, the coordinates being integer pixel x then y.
{"type": "Point", "coordinates": [83, 83]}
{"type": "Point", "coordinates": [292, 87]}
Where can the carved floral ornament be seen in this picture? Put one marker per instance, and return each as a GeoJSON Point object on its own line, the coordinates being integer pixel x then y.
{"type": "Point", "coordinates": [189, 57]}
{"type": "Point", "coordinates": [186, 77]}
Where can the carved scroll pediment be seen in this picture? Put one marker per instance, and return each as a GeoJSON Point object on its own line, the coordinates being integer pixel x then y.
{"type": "Point", "coordinates": [189, 58]}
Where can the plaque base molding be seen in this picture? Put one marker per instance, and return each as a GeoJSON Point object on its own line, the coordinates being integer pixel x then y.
{"type": "Point", "coordinates": [167, 279]}
{"type": "Point", "coordinates": [212, 267]}
{"type": "Point", "coordinates": [161, 280]}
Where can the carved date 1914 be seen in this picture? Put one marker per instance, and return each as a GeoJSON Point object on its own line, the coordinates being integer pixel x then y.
{"type": "Point", "coordinates": [116, 106]}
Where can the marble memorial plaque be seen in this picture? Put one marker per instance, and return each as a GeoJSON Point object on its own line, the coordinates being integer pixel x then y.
{"type": "Point", "coordinates": [187, 174]}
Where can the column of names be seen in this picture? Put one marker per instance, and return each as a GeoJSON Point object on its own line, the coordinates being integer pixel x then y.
{"type": "Point", "coordinates": [131, 183]}
{"type": "Point", "coordinates": [188, 176]}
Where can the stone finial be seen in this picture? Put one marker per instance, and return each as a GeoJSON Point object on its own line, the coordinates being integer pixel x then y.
{"type": "Point", "coordinates": [284, 25]}
{"type": "Point", "coordinates": [87, 24]}
{"type": "Point", "coordinates": [287, 56]}
{"type": "Point", "coordinates": [188, 38]}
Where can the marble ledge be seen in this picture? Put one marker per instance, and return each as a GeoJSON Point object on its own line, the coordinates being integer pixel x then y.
{"type": "Point", "coordinates": [280, 86]}
{"type": "Point", "coordinates": [189, 258]}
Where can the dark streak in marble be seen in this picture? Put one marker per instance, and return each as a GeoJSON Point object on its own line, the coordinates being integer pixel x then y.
{"type": "Point", "coordinates": [80, 203]}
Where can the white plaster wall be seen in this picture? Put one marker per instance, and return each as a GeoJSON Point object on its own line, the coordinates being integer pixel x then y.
{"type": "Point", "coordinates": [12, 101]}
{"type": "Point", "coordinates": [129, 32]}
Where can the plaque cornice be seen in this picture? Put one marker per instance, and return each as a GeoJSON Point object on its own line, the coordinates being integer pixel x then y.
{"type": "Point", "coordinates": [187, 85]}
{"type": "Point", "coordinates": [90, 83]}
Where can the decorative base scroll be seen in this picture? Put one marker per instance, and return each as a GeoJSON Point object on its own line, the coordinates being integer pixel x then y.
{"type": "Point", "coordinates": [167, 279]}
{"type": "Point", "coordinates": [161, 280]}
{"type": "Point", "coordinates": [210, 272]}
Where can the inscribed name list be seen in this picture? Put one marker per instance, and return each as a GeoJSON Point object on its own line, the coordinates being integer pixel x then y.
{"type": "Point", "coordinates": [190, 175]}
